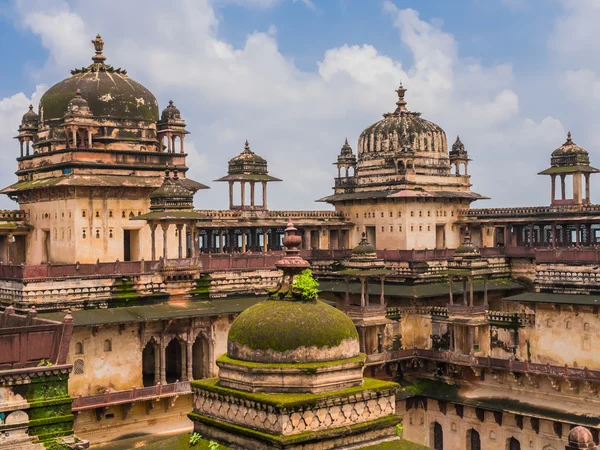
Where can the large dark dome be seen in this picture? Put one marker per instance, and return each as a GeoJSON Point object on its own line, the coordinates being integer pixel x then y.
{"type": "Point", "coordinates": [109, 93]}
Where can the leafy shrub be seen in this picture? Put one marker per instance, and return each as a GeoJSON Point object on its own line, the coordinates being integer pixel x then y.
{"type": "Point", "coordinates": [306, 285]}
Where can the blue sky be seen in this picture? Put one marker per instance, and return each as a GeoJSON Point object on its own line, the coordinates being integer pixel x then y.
{"type": "Point", "coordinates": [296, 77]}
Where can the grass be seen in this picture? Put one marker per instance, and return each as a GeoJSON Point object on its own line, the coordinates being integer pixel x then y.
{"type": "Point", "coordinates": [396, 445]}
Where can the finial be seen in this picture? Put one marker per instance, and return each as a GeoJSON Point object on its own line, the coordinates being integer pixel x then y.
{"type": "Point", "coordinates": [346, 142]}
{"type": "Point", "coordinates": [78, 93]}
{"type": "Point", "coordinates": [30, 107]}
{"type": "Point", "coordinates": [569, 137]}
{"type": "Point", "coordinates": [170, 102]}
{"type": "Point", "coordinates": [401, 102]}
{"type": "Point", "coordinates": [98, 58]}
{"type": "Point", "coordinates": [247, 146]}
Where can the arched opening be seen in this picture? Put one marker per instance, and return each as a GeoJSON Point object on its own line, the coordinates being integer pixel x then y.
{"type": "Point", "coordinates": [199, 353]}
{"type": "Point", "coordinates": [473, 440]}
{"type": "Point", "coordinates": [107, 345]}
{"type": "Point", "coordinates": [150, 364]}
{"type": "Point", "coordinates": [436, 436]}
{"type": "Point", "coordinates": [79, 348]}
{"type": "Point", "coordinates": [81, 138]}
{"type": "Point", "coordinates": [513, 444]}
{"type": "Point", "coordinates": [173, 361]}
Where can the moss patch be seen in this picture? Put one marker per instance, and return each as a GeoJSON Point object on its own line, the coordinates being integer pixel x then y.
{"type": "Point", "coordinates": [291, 400]}
{"type": "Point", "coordinates": [396, 445]}
{"type": "Point", "coordinates": [317, 365]}
{"type": "Point", "coordinates": [288, 325]}
{"type": "Point", "coordinates": [180, 442]}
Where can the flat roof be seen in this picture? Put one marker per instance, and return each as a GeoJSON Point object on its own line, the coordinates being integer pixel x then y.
{"type": "Point", "coordinates": [548, 297]}
{"type": "Point", "coordinates": [143, 313]}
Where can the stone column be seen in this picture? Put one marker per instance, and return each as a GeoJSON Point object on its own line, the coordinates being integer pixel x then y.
{"type": "Point", "coordinates": [562, 186]}
{"type": "Point", "coordinates": [231, 195]}
{"type": "Point", "coordinates": [531, 235]}
{"type": "Point", "coordinates": [464, 280]}
{"type": "Point", "coordinates": [194, 240]}
{"type": "Point", "coordinates": [553, 196]}
{"type": "Point", "coordinates": [244, 241]}
{"type": "Point", "coordinates": [451, 294]}
{"type": "Point", "coordinates": [577, 231]}
{"type": "Point", "coordinates": [165, 228]}
{"type": "Point", "coordinates": [451, 336]}
{"type": "Point", "coordinates": [74, 136]}
{"type": "Point", "coordinates": [485, 290]}
{"type": "Point", "coordinates": [506, 235]}
{"type": "Point", "coordinates": [264, 193]}
{"type": "Point", "coordinates": [363, 338]}
{"type": "Point", "coordinates": [265, 242]}
{"type": "Point", "coordinates": [89, 133]}
{"type": "Point", "coordinates": [181, 142]}
{"type": "Point", "coordinates": [163, 362]}
{"type": "Point", "coordinates": [179, 241]}
{"type": "Point", "coordinates": [470, 334]}
{"type": "Point", "coordinates": [169, 143]}
{"type": "Point", "coordinates": [243, 187]}
{"type": "Point", "coordinates": [382, 297]}
{"type": "Point", "coordinates": [222, 243]}
{"type": "Point", "coordinates": [553, 234]}
{"type": "Point", "coordinates": [587, 187]}
{"type": "Point", "coordinates": [252, 193]}
{"type": "Point", "coordinates": [211, 352]}
{"type": "Point", "coordinates": [367, 299]}
{"type": "Point", "coordinates": [153, 237]}
{"type": "Point", "coordinates": [183, 351]}
{"type": "Point", "coordinates": [307, 245]}
{"type": "Point", "coordinates": [157, 365]}
{"type": "Point", "coordinates": [189, 357]}
{"type": "Point", "coordinates": [471, 291]}
{"type": "Point", "coordinates": [21, 145]}
{"type": "Point", "coordinates": [362, 292]}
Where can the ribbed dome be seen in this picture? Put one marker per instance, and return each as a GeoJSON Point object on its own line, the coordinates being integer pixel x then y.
{"type": "Point", "coordinates": [403, 130]}
{"type": "Point", "coordinates": [29, 121]}
{"type": "Point", "coordinates": [170, 113]}
{"type": "Point", "coordinates": [280, 331]}
{"type": "Point", "coordinates": [570, 154]}
{"type": "Point", "coordinates": [109, 92]}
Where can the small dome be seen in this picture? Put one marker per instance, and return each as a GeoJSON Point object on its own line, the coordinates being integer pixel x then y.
{"type": "Point", "coordinates": [279, 331]}
{"type": "Point", "coordinates": [570, 154]}
{"type": "Point", "coordinates": [78, 105]}
{"type": "Point", "coordinates": [458, 148]}
{"type": "Point", "coordinates": [247, 162]}
{"type": "Point", "coordinates": [363, 247]}
{"type": "Point", "coordinates": [30, 120]}
{"type": "Point", "coordinates": [170, 113]}
{"type": "Point", "coordinates": [172, 195]}
{"type": "Point", "coordinates": [467, 248]}
{"type": "Point", "coordinates": [346, 154]}
{"type": "Point", "coordinates": [581, 438]}
{"type": "Point", "coordinates": [108, 91]}
{"type": "Point", "coordinates": [403, 130]}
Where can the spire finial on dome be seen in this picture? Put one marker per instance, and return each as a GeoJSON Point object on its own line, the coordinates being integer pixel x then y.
{"type": "Point", "coordinates": [247, 146]}
{"type": "Point", "coordinates": [401, 91]}
{"type": "Point", "coordinates": [170, 102]}
{"type": "Point", "coordinates": [98, 58]}
{"type": "Point", "coordinates": [78, 93]}
{"type": "Point", "coordinates": [30, 107]}
{"type": "Point", "coordinates": [569, 140]}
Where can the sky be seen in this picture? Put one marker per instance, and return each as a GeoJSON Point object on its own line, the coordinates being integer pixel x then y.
{"type": "Point", "coordinates": [297, 77]}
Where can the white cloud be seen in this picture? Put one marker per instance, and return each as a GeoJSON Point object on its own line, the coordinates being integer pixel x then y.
{"type": "Point", "coordinates": [296, 119]}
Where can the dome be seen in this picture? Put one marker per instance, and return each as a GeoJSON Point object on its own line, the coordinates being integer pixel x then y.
{"type": "Point", "coordinates": [467, 248]}
{"type": "Point", "coordinates": [458, 148]}
{"type": "Point", "coordinates": [363, 247]}
{"type": "Point", "coordinates": [171, 195]}
{"type": "Point", "coordinates": [109, 92]}
{"type": "Point", "coordinates": [78, 105]}
{"type": "Point", "coordinates": [279, 331]}
{"type": "Point", "coordinates": [581, 438]}
{"type": "Point", "coordinates": [570, 154]}
{"type": "Point", "coordinates": [30, 120]}
{"type": "Point", "coordinates": [402, 130]}
{"type": "Point", "coordinates": [247, 162]}
{"type": "Point", "coordinates": [170, 113]}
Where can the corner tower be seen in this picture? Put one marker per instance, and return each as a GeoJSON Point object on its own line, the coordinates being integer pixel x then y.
{"type": "Point", "coordinates": [88, 163]}
{"type": "Point", "coordinates": [403, 194]}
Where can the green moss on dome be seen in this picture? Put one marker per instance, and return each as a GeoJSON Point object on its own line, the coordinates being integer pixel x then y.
{"type": "Point", "coordinates": [286, 325]}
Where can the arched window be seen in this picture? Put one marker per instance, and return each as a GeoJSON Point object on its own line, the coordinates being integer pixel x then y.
{"type": "Point", "coordinates": [437, 436]}
{"type": "Point", "coordinates": [79, 348]}
{"type": "Point", "coordinates": [513, 444]}
{"type": "Point", "coordinates": [78, 367]}
{"type": "Point", "coordinates": [473, 440]}
{"type": "Point", "coordinates": [107, 345]}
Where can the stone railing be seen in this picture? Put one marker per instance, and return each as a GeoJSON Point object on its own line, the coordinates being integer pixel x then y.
{"type": "Point", "coordinates": [509, 365]}
{"type": "Point", "coordinates": [458, 308]}
{"type": "Point", "coordinates": [527, 210]}
{"type": "Point", "coordinates": [12, 215]}
{"type": "Point", "coordinates": [522, 319]}
{"type": "Point", "coordinates": [562, 275]}
{"type": "Point", "coordinates": [131, 396]}
{"type": "Point", "coordinates": [272, 214]}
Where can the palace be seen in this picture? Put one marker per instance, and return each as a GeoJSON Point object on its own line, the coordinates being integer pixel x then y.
{"type": "Point", "coordinates": [485, 318]}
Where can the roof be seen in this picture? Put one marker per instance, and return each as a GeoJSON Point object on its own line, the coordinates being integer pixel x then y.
{"type": "Point", "coordinates": [548, 297]}
{"type": "Point", "coordinates": [128, 314]}
{"type": "Point", "coordinates": [97, 180]}
{"type": "Point", "coordinates": [442, 391]}
{"type": "Point", "coordinates": [568, 169]}
{"type": "Point", "coordinates": [402, 193]}
{"type": "Point", "coordinates": [419, 290]}
{"type": "Point", "coordinates": [248, 177]}
{"type": "Point", "coordinates": [172, 215]}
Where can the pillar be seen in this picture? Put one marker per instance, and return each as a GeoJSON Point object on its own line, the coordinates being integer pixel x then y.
{"type": "Point", "coordinates": [381, 297]}
{"type": "Point", "coordinates": [74, 136]}
{"type": "Point", "coordinates": [577, 231]}
{"type": "Point", "coordinates": [89, 133]}
{"type": "Point", "coordinates": [153, 237]}
{"type": "Point", "coordinates": [553, 197]}
{"type": "Point", "coordinates": [243, 187]}
{"type": "Point", "coordinates": [169, 143]}
{"type": "Point", "coordinates": [464, 280]}
{"type": "Point", "coordinates": [265, 242]}
{"type": "Point", "coordinates": [553, 234]}
{"type": "Point", "coordinates": [562, 186]}
{"type": "Point", "coordinates": [471, 290]}
{"type": "Point", "coordinates": [587, 187]}
{"type": "Point", "coordinates": [244, 241]}
{"type": "Point", "coordinates": [179, 241]}
{"type": "Point", "coordinates": [362, 292]}
{"type": "Point", "coordinates": [181, 143]}
{"type": "Point", "coordinates": [485, 290]}
{"type": "Point", "coordinates": [222, 241]}
{"type": "Point", "coordinates": [195, 241]}
{"type": "Point", "coordinates": [451, 293]}
{"type": "Point", "coordinates": [163, 362]}
{"type": "Point", "coordinates": [231, 195]}
{"type": "Point", "coordinates": [165, 228]}
{"type": "Point", "coordinates": [189, 357]}
{"type": "Point", "coordinates": [451, 336]}
{"type": "Point", "coordinates": [264, 193]}
{"type": "Point", "coordinates": [470, 334]}
{"type": "Point", "coordinates": [211, 353]}
{"type": "Point", "coordinates": [306, 239]}
{"type": "Point", "coordinates": [363, 338]}
{"type": "Point", "coordinates": [157, 356]}
{"type": "Point", "coordinates": [21, 145]}
{"type": "Point", "coordinates": [252, 193]}
{"type": "Point", "coordinates": [530, 235]}
{"type": "Point", "coordinates": [367, 299]}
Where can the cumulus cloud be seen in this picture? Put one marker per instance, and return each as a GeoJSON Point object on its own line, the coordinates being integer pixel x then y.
{"type": "Point", "coordinates": [296, 119]}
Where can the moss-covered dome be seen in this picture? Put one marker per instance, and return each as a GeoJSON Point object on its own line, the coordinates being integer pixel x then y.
{"type": "Point", "coordinates": [276, 331]}
{"type": "Point", "coordinates": [109, 92]}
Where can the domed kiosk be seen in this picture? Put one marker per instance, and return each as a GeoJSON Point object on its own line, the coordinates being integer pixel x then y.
{"type": "Point", "coordinates": [292, 377]}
